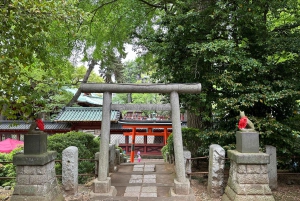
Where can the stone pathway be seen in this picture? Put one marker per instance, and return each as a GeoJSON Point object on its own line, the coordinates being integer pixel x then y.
{"type": "Point", "coordinates": [142, 191]}
{"type": "Point", "coordinates": [145, 181]}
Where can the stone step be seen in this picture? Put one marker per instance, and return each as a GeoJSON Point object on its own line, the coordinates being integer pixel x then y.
{"type": "Point", "coordinates": [120, 198]}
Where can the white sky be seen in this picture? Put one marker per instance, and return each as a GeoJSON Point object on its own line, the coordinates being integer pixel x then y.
{"type": "Point", "coordinates": [131, 55]}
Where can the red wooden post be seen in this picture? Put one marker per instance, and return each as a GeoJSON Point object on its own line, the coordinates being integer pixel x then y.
{"type": "Point", "coordinates": [132, 145]}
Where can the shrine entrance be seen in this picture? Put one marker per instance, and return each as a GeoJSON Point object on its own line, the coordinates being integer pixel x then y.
{"type": "Point", "coordinates": [182, 185]}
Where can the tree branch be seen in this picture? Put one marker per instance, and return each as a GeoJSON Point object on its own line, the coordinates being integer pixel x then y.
{"type": "Point", "coordinates": [85, 79]}
{"type": "Point", "coordinates": [152, 5]}
{"type": "Point", "coordinates": [101, 6]}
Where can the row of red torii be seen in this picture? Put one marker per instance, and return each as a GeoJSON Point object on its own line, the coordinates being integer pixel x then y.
{"type": "Point", "coordinates": [172, 89]}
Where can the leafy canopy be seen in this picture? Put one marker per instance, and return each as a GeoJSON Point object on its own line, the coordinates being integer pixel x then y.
{"type": "Point", "coordinates": [36, 38]}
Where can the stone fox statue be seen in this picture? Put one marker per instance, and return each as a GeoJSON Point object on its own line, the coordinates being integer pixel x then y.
{"type": "Point", "coordinates": [245, 124]}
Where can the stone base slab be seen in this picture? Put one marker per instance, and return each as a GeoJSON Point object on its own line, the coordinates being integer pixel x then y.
{"type": "Point", "coordinates": [102, 187]}
{"type": "Point", "coordinates": [188, 197]}
{"type": "Point", "coordinates": [248, 158]}
{"type": "Point", "coordinates": [34, 159]}
{"type": "Point", "coordinates": [182, 188]}
{"type": "Point", "coordinates": [112, 192]}
{"type": "Point", "coordinates": [230, 195]}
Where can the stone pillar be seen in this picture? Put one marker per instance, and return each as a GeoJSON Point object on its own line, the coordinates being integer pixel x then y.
{"type": "Point", "coordinates": [215, 184]}
{"type": "Point", "coordinates": [36, 178]}
{"type": "Point", "coordinates": [70, 170]}
{"type": "Point", "coordinates": [102, 184]}
{"type": "Point", "coordinates": [181, 183]}
{"type": "Point", "coordinates": [272, 167]}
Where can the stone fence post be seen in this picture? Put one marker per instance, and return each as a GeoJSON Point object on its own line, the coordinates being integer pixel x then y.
{"type": "Point", "coordinates": [112, 158]}
{"type": "Point", "coordinates": [187, 161]}
{"type": "Point", "coordinates": [117, 158]}
{"type": "Point", "coordinates": [70, 170]}
{"type": "Point", "coordinates": [215, 184]}
{"type": "Point", "coordinates": [272, 167]}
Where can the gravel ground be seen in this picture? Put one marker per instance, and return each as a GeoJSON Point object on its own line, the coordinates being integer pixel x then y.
{"type": "Point", "coordinates": [288, 189]}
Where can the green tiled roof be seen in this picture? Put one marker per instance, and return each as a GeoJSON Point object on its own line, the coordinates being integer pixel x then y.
{"type": "Point", "coordinates": [75, 114]}
{"type": "Point", "coordinates": [24, 125]}
{"type": "Point", "coordinates": [92, 98]}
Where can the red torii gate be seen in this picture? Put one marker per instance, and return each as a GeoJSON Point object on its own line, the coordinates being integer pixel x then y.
{"type": "Point", "coordinates": [150, 128]}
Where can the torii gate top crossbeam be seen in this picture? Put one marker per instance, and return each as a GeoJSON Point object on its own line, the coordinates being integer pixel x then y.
{"type": "Point", "coordinates": [140, 88]}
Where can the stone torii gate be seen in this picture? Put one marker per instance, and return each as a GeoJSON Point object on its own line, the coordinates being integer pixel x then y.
{"type": "Point", "coordinates": [102, 184]}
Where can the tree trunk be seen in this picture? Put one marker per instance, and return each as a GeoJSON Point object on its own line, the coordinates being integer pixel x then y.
{"type": "Point", "coordinates": [129, 98]}
{"type": "Point", "coordinates": [2, 117]}
{"type": "Point", "coordinates": [194, 121]}
{"type": "Point", "coordinates": [85, 79]}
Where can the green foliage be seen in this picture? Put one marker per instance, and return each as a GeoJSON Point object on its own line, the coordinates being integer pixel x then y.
{"type": "Point", "coordinates": [8, 170]}
{"type": "Point", "coordinates": [87, 146]}
{"type": "Point", "coordinates": [246, 56]}
{"type": "Point", "coordinates": [36, 38]}
{"type": "Point", "coordinates": [169, 147]}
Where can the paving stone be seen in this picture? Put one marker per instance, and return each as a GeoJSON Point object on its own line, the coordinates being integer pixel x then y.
{"type": "Point", "coordinates": [148, 194]}
{"type": "Point", "coordinates": [149, 189]}
{"type": "Point", "coordinates": [149, 170]}
{"type": "Point", "coordinates": [134, 176]}
{"type": "Point", "coordinates": [132, 194]}
{"type": "Point", "coordinates": [138, 169]}
{"type": "Point", "coordinates": [131, 181]}
{"type": "Point", "coordinates": [149, 181]}
{"type": "Point", "coordinates": [150, 176]}
{"type": "Point", "coordinates": [132, 189]}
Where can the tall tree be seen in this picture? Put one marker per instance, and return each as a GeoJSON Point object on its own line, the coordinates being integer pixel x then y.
{"type": "Point", "coordinates": [245, 54]}
{"type": "Point", "coordinates": [36, 38]}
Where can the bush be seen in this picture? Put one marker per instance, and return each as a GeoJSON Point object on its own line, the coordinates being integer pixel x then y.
{"type": "Point", "coordinates": [198, 142]}
{"type": "Point", "coordinates": [87, 146]}
{"type": "Point", "coordinates": [8, 169]}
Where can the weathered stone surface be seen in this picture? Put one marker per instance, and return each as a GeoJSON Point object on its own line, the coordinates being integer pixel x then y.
{"type": "Point", "coordinates": [117, 158]}
{"type": "Point", "coordinates": [102, 186]}
{"type": "Point", "coordinates": [215, 184]}
{"type": "Point", "coordinates": [35, 143]}
{"type": "Point", "coordinates": [37, 183]}
{"type": "Point", "coordinates": [247, 142]}
{"type": "Point", "coordinates": [29, 160]}
{"type": "Point", "coordinates": [247, 181]}
{"type": "Point", "coordinates": [70, 170]}
{"type": "Point", "coordinates": [182, 188]}
{"type": "Point", "coordinates": [252, 178]}
{"type": "Point", "coordinates": [248, 158]}
{"type": "Point", "coordinates": [112, 157]}
{"type": "Point", "coordinates": [272, 166]}
{"type": "Point", "coordinates": [187, 162]}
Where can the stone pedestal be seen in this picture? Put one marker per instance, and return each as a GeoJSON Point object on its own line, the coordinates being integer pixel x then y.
{"type": "Point", "coordinates": [248, 177]}
{"type": "Point", "coordinates": [35, 143]}
{"type": "Point", "coordinates": [247, 142]}
{"type": "Point", "coordinates": [36, 178]}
